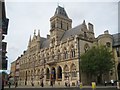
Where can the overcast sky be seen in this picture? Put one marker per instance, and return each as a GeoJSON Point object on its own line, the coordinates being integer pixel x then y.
{"type": "Point", "coordinates": [24, 17]}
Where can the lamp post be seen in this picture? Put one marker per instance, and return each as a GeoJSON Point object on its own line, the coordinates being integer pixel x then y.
{"type": "Point", "coordinates": [78, 38]}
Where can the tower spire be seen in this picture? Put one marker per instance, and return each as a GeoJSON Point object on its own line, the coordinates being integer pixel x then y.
{"type": "Point", "coordinates": [38, 36]}
{"type": "Point", "coordinates": [29, 41]}
{"type": "Point", "coordinates": [84, 22]}
{"type": "Point", "coordinates": [34, 32]}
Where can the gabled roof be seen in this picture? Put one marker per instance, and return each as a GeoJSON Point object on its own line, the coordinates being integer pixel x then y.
{"type": "Point", "coordinates": [116, 39]}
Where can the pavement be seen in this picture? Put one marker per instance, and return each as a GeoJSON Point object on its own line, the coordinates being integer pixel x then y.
{"type": "Point", "coordinates": [60, 88]}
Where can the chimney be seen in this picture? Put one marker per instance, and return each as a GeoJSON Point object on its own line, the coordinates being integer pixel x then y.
{"type": "Point", "coordinates": [90, 27]}
{"type": "Point", "coordinates": [106, 32]}
{"type": "Point", "coordinates": [48, 36]}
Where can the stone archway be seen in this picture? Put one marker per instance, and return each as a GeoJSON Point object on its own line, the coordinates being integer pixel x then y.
{"type": "Point", "coordinates": [47, 73]}
{"type": "Point", "coordinates": [73, 71]}
{"type": "Point", "coordinates": [118, 69]}
{"type": "Point", "coordinates": [53, 74]}
{"type": "Point", "coordinates": [59, 72]}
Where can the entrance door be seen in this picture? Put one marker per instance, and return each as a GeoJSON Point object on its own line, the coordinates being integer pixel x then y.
{"type": "Point", "coordinates": [59, 73]}
{"type": "Point", "coordinates": [53, 75]}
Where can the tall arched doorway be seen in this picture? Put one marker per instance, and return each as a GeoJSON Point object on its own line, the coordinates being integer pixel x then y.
{"type": "Point", "coordinates": [59, 70]}
{"type": "Point", "coordinates": [118, 69]}
{"type": "Point", "coordinates": [53, 74]}
{"type": "Point", "coordinates": [47, 74]}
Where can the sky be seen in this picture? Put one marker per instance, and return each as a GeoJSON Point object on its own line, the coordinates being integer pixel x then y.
{"type": "Point", "coordinates": [25, 17]}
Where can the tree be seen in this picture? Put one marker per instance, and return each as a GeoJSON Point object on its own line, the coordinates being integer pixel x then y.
{"type": "Point", "coordinates": [97, 61]}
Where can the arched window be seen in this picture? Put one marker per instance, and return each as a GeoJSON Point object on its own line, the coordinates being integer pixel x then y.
{"type": "Point", "coordinates": [66, 54]}
{"type": "Point", "coordinates": [53, 73]}
{"type": "Point", "coordinates": [86, 47]}
{"type": "Point", "coordinates": [66, 72]}
{"type": "Point", "coordinates": [59, 55]}
{"type": "Point", "coordinates": [47, 73]}
{"type": "Point", "coordinates": [72, 53]}
{"type": "Point", "coordinates": [73, 71]}
{"type": "Point", "coordinates": [59, 72]}
{"type": "Point", "coordinates": [28, 73]}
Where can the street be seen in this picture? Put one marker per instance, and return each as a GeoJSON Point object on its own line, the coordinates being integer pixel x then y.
{"type": "Point", "coordinates": [61, 88]}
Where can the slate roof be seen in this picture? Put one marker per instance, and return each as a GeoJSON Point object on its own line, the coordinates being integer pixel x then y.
{"type": "Point", "coordinates": [72, 32]}
{"type": "Point", "coordinates": [116, 39]}
{"type": "Point", "coordinates": [45, 44]}
{"type": "Point", "coordinates": [42, 40]}
{"type": "Point", "coordinates": [61, 11]}
{"type": "Point", "coordinates": [69, 33]}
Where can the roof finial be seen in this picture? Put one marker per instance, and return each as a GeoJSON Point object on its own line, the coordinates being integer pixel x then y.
{"type": "Point", "coordinates": [30, 39]}
{"type": "Point", "coordinates": [84, 22]}
{"type": "Point", "coordinates": [35, 32]}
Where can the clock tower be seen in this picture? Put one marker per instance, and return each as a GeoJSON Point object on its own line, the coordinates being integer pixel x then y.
{"type": "Point", "coordinates": [60, 23]}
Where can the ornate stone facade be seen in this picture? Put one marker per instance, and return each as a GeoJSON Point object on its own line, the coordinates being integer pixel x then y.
{"type": "Point", "coordinates": [56, 57]}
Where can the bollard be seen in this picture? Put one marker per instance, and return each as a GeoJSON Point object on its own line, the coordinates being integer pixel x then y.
{"type": "Point", "coordinates": [118, 85]}
{"type": "Point", "coordinates": [81, 85]}
{"type": "Point", "coordinates": [93, 85]}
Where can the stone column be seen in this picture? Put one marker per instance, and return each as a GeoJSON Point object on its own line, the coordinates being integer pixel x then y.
{"type": "Point", "coordinates": [63, 78]}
